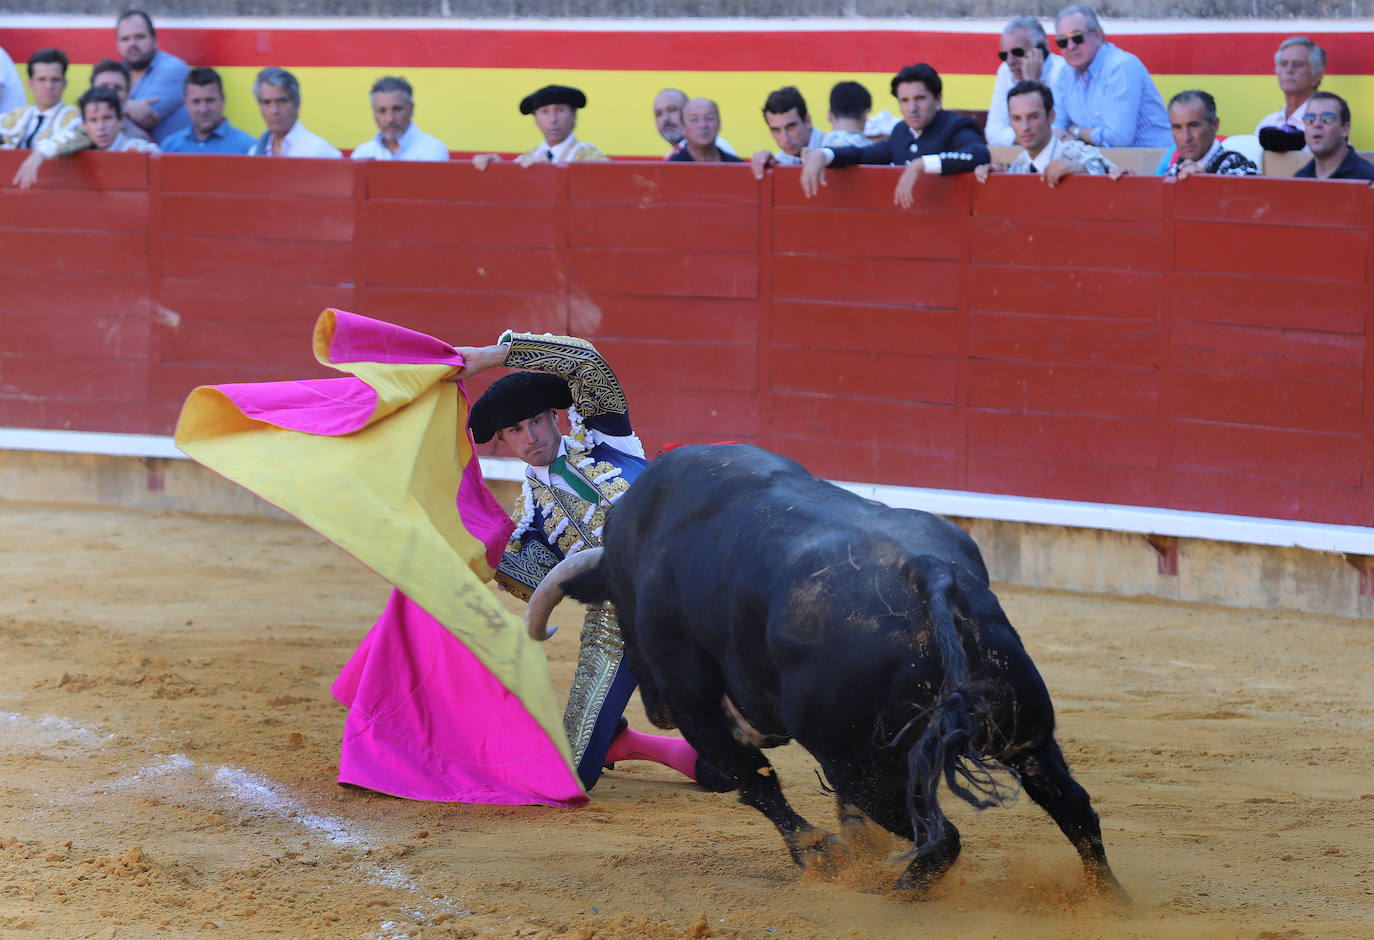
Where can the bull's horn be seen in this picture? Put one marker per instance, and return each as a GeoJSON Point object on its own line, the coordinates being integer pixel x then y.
{"type": "Point", "coordinates": [550, 591]}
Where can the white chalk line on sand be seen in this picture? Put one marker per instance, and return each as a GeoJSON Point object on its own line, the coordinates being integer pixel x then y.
{"type": "Point", "coordinates": [182, 780]}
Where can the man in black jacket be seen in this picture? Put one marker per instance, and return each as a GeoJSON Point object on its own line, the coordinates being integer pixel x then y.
{"type": "Point", "coordinates": [930, 140]}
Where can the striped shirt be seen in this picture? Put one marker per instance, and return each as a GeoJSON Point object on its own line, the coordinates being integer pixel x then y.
{"type": "Point", "coordinates": [1116, 99]}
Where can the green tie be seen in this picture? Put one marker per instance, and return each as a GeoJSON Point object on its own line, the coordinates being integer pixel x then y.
{"type": "Point", "coordinates": [579, 486]}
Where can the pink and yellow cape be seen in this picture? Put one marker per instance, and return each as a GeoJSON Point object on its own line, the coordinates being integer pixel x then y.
{"type": "Point", "coordinates": [448, 698]}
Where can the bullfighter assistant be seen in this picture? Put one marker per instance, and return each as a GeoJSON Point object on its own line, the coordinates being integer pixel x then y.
{"type": "Point", "coordinates": [569, 485]}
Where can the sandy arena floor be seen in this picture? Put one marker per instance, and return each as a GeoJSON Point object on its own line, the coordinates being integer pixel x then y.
{"type": "Point", "coordinates": [169, 748]}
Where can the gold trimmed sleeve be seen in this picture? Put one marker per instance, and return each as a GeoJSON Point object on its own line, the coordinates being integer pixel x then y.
{"type": "Point", "coordinates": [595, 389]}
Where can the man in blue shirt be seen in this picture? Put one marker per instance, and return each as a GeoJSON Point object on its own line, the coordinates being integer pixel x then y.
{"type": "Point", "coordinates": [209, 132]}
{"type": "Point", "coordinates": [1110, 99]}
{"type": "Point", "coordinates": [159, 77]}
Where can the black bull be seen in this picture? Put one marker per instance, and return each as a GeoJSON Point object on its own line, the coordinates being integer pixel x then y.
{"type": "Point", "coordinates": [760, 604]}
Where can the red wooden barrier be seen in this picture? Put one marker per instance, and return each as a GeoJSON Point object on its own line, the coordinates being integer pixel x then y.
{"type": "Point", "coordinates": [1196, 346]}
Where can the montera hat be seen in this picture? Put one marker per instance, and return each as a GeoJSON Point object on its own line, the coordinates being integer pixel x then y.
{"type": "Point", "coordinates": [553, 94]}
{"type": "Point", "coordinates": [513, 398]}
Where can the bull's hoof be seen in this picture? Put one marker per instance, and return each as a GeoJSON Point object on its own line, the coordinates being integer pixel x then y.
{"type": "Point", "coordinates": [815, 850]}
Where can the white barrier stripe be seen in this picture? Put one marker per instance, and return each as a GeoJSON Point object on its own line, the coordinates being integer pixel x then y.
{"type": "Point", "coordinates": [1217, 527]}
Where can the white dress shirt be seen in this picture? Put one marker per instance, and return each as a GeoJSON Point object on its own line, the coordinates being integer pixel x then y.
{"type": "Point", "coordinates": [998, 130]}
{"type": "Point", "coordinates": [415, 144]}
{"type": "Point", "coordinates": [298, 142]}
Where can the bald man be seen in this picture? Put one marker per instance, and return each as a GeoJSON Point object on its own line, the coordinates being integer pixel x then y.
{"type": "Point", "coordinates": [701, 127]}
{"type": "Point", "coordinates": [668, 105]}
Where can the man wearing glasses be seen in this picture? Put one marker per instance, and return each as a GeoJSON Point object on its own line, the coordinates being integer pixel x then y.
{"type": "Point", "coordinates": [1026, 57]}
{"type": "Point", "coordinates": [1327, 126]}
{"type": "Point", "coordinates": [1110, 99]}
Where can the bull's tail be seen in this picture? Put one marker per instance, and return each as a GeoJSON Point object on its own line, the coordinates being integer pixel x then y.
{"type": "Point", "coordinates": [948, 745]}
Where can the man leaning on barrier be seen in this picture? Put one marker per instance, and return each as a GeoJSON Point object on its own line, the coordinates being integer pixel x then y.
{"type": "Point", "coordinates": [1194, 122]}
{"type": "Point", "coordinates": [1031, 109]}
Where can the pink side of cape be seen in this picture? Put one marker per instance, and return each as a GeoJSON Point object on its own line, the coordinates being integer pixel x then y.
{"type": "Point", "coordinates": [427, 721]}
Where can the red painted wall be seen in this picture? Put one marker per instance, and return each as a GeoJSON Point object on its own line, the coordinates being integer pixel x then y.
{"type": "Point", "coordinates": [1196, 346]}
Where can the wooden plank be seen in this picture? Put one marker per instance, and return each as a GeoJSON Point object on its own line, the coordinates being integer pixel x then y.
{"type": "Point", "coordinates": [247, 302]}
{"type": "Point", "coordinates": [83, 172]}
{"type": "Point", "coordinates": [111, 417]}
{"type": "Point", "coordinates": [673, 273]}
{"type": "Point", "coordinates": [669, 412]}
{"type": "Point", "coordinates": [1219, 297]}
{"type": "Point", "coordinates": [1090, 440]}
{"type": "Point", "coordinates": [872, 462]}
{"type": "Point", "coordinates": [867, 374]}
{"type": "Point", "coordinates": [74, 293]}
{"type": "Point", "coordinates": [658, 227]}
{"type": "Point", "coordinates": [690, 185]}
{"type": "Point", "coordinates": [1220, 347]}
{"type": "Point", "coordinates": [40, 254]}
{"type": "Point", "coordinates": [285, 347]}
{"type": "Point", "coordinates": [81, 377]}
{"type": "Point", "coordinates": [1078, 198]}
{"type": "Point", "coordinates": [880, 233]}
{"type": "Point", "coordinates": [1288, 203]}
{"type": "Point", "coordinates": [463, 267]}
{"type": "Point", "coordinates": [1047, 478]}
{"type": "Point", "coordinates": [242, 216]}
{"type": "Point", "coordinates": [276, 260]}
{"type": "Point", "coordinates": [458, 181]}
{"type": "Point", "coordinates": [86, 210]}
{"type": "Point", "coordinates": [698, 365]}
{"type": "Point", "coordinates": [1012, 286]}
{"type": "Point", "coordinates": [468, 318]}
{"type": "Point", "coordinates": [108, 336]}
{"type": "Point", "coordinates": [1307, 405]}
{"type": "Point", "coordinates": [871, 187]}
{"type": "Point", "coordinates": [1119, 245]}
{"type": "Point", "coordinates": [895, 281]}
{"type": "Point", "coordinates": [1329, 254]}
{"type": "Point", "coordinates": [713, 319]}
{"type": "Point", "coordinates": [1012, 337]}
{"type": "Point", "coordinates": [398, 222]}
{"type": "Point", "coordinates": [851, 326]}
{"type": "Point", "coordinates": [1274, 499]}
{"type": "Point", "coordinates": [923, 427]}
{"type": "Point", "coordinates": [1272, 453]}
{"type": "Point", "coordinates": [259, 176]}
{"type": "Point", "coordinates": [1064, 389]}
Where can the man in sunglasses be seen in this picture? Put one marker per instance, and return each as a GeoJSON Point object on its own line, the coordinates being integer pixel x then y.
{"type": "Point", "coordinates": [1110, 99]}
{"type": "Point", "coordinates": [1026, 57]}
{"type": "Point", "coordinates": [1327, 126]}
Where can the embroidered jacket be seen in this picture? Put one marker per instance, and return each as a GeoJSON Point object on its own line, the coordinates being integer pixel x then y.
{"type": "Point", "coordinates": [602, 449]}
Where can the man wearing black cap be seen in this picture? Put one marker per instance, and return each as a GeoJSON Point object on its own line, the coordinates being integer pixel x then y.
{"type": "Point", "coordinates": [555, 110]}
{"type": "Point", "coordinates": [569, 485]}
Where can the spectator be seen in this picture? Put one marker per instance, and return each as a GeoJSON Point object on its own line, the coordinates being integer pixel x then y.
{"type": "Point", "coordinates": [398, 136]}
{"type": "Point", "coordinates": [102, 114]}
{"type": "Point", "coordinates": [159, 77]}
{"type": "Point", "coordinates": [701, 121]}
{"type": "Point", "coordinates": [930, 139]}
{"type": "Point", "coordinates": [555, 110]}
{"type": "Point", "coordinates": [112, 73]}
{"type": "Point", "coordinates": [11, 88]}
{"type": "Point", "coordinates": [210, 131]}
{"type": "Point", "coordinates": [1030, 107]}
{"type": "Point", "coordinates": [1109, 99]}
{"type": "Point", "coordinates": [1327, 123]}
{"type": "Point", "coordinates": [1299, 65]}
{"type": "Point", "coordinates": [784, 111]}
{"type": "Point", "coordinates": [850, 103]}
{"type": "Point", "coordinates": [1193, 121]}
{"type": "Point", "coordinates": [23, 127]}
{"type": "Point", "coordinates": [279, 100]}
{"type": "Point", "coordinates": [668, 105]}
{"type": "Point", "coordinates": [1025, 56]}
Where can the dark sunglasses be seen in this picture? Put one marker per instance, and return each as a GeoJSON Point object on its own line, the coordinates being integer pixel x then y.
{"type": "Point", "coordinates": [1016, 52]}
{"type": "Point", "coordinates": [1329, 118]}
{"type": "Point", "coordinates": [1077, 39]}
